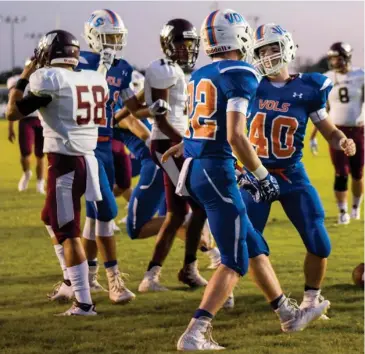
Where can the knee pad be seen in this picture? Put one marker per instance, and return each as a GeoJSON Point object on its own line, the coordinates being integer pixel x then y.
{"type": "Point", "coordinates": [89, 229]}
{"type": "Point", "coordinates": [104, 228]}
{"type": "Point", "coordinates": [321, 244]}
{"type": "Point", "coordinates": [341, 183]}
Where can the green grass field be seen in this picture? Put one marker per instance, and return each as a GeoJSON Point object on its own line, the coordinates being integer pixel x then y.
{"type": "Point", "coordinates": [153, 322]}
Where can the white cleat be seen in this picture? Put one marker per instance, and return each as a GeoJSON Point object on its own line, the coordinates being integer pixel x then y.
{"type": "Point", "coordinates": [190, 276]}
{"type": "Point", "coordinates": [118, 292]}
{"type": "Point", "coordinates": [151, 281]}
{"type": "Point", "coordinates": [355, 213]}
{"type": "Point", "coordinates": [123, 220]}
{"type": "Point", "coordinates": [198, 336]}
{"type": "Point", "coordinates": [343, 219]}
{"type": "Point", "coordinates": [40, 186]}
{"type": "Point", "coordinates": [24, 181]}
{"type": "Point", "coordinates": [79, 309]}
{"type": "Point", "coordinates": [61, 292]}
{"type": "Point", "coordinates": [215, 258]}
{"type": "Point", "coordinates": [229, 304]}
{"type": "Point", "coordinates": [311, 299]}
{"type": "Point", "coordinates": [296, 319]}
{"type": "Point", "coordinates": [116, 228]}
{"type": "Point", "coordinates": [95, 286]}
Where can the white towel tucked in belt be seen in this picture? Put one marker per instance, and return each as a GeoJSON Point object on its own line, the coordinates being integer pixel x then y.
{"type": "Point", "coordinates": [181, 188]}
{"type": "Point", "coordinates": [92, 192]}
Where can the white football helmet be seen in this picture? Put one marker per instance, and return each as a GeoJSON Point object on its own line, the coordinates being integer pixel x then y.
{"type": "Point", "coordinates": [137, 83]}
{"type": "Point", "coordinates": [270, 34]}
{"type": "Point", "coordinates": [224, 31]}
{"type": "Point", "coordinates": [105, 29]}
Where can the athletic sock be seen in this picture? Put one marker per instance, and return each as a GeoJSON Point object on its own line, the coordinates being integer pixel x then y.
{"type": "Point", "coordinates": [342, 207]}
{"type": "Point", "coordinates": [275, 304]}
{"type": "Point", "coordinates": [203, 313]}
{"type": "Point", "coordinates": [356, 201]}
{"type": "Point", "coordinates": [153, 264]}
{"type": "Point", "coordinates": [80, 282]}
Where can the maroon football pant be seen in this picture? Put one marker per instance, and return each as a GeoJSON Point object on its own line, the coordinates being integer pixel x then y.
{"type": "Point", "coordinates": [30, 133]}
{"type": "Point", "coordinates": [66, 185]}
{"type": "Point", "coordinates": [122, 165]}
{"type": "Point", "coordinates": [350, 164]}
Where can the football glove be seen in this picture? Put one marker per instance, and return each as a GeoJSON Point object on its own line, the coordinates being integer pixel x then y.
{"type": "Point", "coordinates": [269, 188]}
{"type": "Point", "coordinates": [159, 107]}
{"type": "Point", "coordinates": [250, 184]}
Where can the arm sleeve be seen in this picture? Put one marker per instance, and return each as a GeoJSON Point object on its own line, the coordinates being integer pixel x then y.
{"type": "Point", "coordinates": [31, 103]}
{"type": "Point", "coordinates": [239, 83]}
{"type": "Point", "coordinates": [161, 75]}
{"type": "Point", "coordinates": [43, 83]}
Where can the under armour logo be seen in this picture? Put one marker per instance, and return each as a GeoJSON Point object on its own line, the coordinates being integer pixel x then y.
{"type": "Point", "coordinates": [300, 95]}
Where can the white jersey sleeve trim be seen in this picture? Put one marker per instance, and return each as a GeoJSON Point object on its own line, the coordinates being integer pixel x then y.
{"type": "Point", "coordinates": [126, 94]}
{"type": "Point", "coordinates": [318, 116]}
{"type": "Point", "coordinates": [240, 68]}
{"type": "Point", "coordinates": [326, 84]}
{"type": "Point", "coordinates": [237, 104]}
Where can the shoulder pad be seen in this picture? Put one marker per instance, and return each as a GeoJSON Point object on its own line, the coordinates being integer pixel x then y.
{"type": "Point", "coordinates": [160, 75]}
{"type": "Point", "coordinates": [316, 80]}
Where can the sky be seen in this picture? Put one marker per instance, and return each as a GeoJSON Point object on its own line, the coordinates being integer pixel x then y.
{"type": "Point", "coordinates": [314, 25]}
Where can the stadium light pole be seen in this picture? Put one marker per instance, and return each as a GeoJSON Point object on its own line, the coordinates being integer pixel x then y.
{"type": "Point", "coordinates": [13, 20]}
{"type": "Point", "coordinates": [36, 36]}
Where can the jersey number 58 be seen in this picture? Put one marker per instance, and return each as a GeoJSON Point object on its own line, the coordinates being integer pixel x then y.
{"type": "Point", "coordinates": [91, 107]}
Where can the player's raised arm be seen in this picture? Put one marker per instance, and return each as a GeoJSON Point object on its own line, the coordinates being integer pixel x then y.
{"type": "Point", "coordinates": [19, 106]}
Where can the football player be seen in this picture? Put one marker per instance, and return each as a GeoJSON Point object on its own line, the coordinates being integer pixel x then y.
{"type": "Point", "coordinates": [63, 97]}
{"type": "Point", "coordinates": [164, 80]}
{"type": "Point", "coordinates": [29, 134]}
{"type": "Point", "coordinates": [346, 111]}
{"type": "Point", "coordinates": [106, 35]}
{"type": "Point", "coordinates": [220, 95]}
{"type": "Point", "coordinates": [276, 128]}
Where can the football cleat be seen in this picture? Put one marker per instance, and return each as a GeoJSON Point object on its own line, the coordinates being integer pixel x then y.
{"type": "Point", "coordinates": [118, 292]}
{"type": "Point", "coordinates": [294, 319]}
{"type": "Point", "coordinates": [215, 258]}
{"type": "Point", "coordinates": [343, 219]}
{"type": "Point", "coordinates": [190, 276]}
{"type": "Point", "coordinates": [229, 304]}
{"type": "Point", "coordinates": [40, 186]}
{"type": "Point", "coordinates": [61, 292]}
{"type": "Point", "coordinates": [116, 228]}
{"type": "Point", "coordinates": [79, 309]}
{"type": "Point", "coordinates": [24, 181]}
{"type": "Point", "coordinates": [198, 336]}
{"type": "Point", "coordinates": [123, 220]}
{"type": "Point", "coordinates": [312, 298]}
{"type": "Point", "coordinates": [95, 286]}
{"type": "Point", "coordinates": [151, 281]}
{"type": "Point", "coordinates": [355, 213]}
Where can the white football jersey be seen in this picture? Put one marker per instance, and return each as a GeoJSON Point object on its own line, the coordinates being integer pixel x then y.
{"type": "Point", "coordinates": [11, 82]}
{"type": "Point", "coordinates": [71, 120]}
{"type": "Point", "coordinates": [163, 74]}
{"type": "Point", "coordinates": [346, 98]}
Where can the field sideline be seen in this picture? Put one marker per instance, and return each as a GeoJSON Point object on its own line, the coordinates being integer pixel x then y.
{"type": "Point", "coordinates": [153, 322]}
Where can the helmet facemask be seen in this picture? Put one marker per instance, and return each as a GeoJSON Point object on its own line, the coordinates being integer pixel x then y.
{"type": "Point", "coordinates": [185, 52]}
{"type": "Point", "coordinates": [269, 64]}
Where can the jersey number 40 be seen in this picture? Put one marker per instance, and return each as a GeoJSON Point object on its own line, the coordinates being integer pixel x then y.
{"type": "Point", "coordinates": [282, 133]}
{"type": "Point", "coordinates": [91, 103]}
{"type": "Point", "coordinates": [201, 107]}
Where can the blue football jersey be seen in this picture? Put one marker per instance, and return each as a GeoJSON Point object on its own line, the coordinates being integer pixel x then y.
{"type": "Point", "coordinates": [279, 117]}
{"type": "Point", "coordinates": [118, 77]}
{"type": "Point", "coordinates": [209, 90]}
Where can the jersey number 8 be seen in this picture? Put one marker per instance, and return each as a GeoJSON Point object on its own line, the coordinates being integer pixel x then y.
{"type": "Point", "coordinates": [201, 107]}
{"type": "Point", "coordinates": [84, 112]}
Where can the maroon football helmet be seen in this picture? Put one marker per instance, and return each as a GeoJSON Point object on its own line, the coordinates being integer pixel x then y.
{"type": "Point", "coordinates": [339, 56]}
{"type": "Point", "coordinates": [180, 42]}
{"type": "Point", "coordinates": [58, 47]}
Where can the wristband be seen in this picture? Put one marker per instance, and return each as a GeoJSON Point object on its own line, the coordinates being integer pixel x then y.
{"type": "Point", "coordinates": [21, 84]}
{"type": "Point", "coordinates": [260, 173]}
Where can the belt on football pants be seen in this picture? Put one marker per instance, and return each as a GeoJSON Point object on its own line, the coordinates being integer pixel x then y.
{"type": "Point", "coordinates": [280, 172]}
{"type": "Point", "coordinates": [103, 139]}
